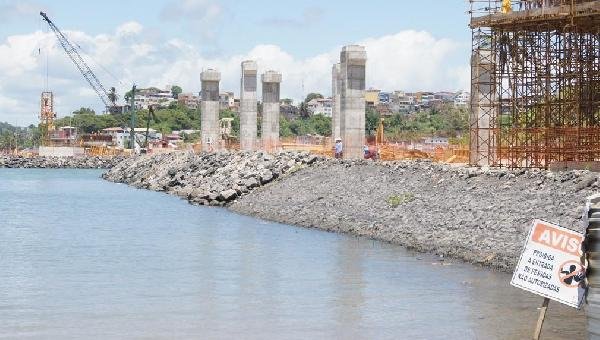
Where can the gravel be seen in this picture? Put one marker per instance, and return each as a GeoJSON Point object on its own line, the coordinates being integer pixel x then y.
{"type": "Point", "coordinates": [477, 215]}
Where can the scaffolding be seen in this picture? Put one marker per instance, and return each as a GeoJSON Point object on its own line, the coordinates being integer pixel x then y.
{"type": "Point", "coordinates": [535, 84]}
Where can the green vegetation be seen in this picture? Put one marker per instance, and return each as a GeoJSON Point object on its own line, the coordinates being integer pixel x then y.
{"type": "Point", "coordinates": [167, 120]}
{"type": "Point", "coordinates": [12, 137]}
{"type": "Point", "coordinates": [397, 200]}
{"type": "Point", "coordinates": [176, 91]}
{"type": "Point", "coordinates": [312, 125]}
{"type": "Point", "coordinates": [444, 122]}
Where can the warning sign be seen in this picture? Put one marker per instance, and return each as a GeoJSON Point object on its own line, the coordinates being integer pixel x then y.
{"type": "Point", "coordinates": [550, 264]}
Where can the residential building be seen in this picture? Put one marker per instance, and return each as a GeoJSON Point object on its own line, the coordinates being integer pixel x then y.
{"type": "Point", "coordinates": [385, 97]}
{"type": "Point", "coordinates": [153, 96]}
{"type": "Point", "coordinates": [189, 101]}
{"type": "Point", "coordinates": [288, 109]}
{"type": "Point", "coordinates": [372, 97]}
{"type": "Point", "coordinates": [226, 100]}
{"type": "Point", "coordinates": [322, 106]}
{"type": "Point", "coordinates": [384, 109]}
{"type": "Point", "coordinates": [121, 136]}
{"type": "Point", "coordinates": [462, 99]}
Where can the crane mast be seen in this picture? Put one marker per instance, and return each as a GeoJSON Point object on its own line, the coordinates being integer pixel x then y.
{"type": "Point", "coordinates": [109, 99]}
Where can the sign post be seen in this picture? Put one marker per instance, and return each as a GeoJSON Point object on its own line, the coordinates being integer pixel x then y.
{"type": "Point", "coordinates": [550, 266]}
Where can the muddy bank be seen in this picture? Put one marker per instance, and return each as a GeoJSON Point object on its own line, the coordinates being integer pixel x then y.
{"type": "Point", "coordinates": [480, 216]}
{"type": "Point", "coordinates": [79, 162]}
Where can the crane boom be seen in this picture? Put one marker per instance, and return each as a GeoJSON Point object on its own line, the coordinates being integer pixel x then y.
{"type": "Point", "coordinates": [109, 100]}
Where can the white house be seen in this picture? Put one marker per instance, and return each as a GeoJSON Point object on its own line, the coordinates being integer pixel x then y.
{"type": "Point", "coordinates": [321, 106]}
{"type": "Point", "coordinates": [462, 99]}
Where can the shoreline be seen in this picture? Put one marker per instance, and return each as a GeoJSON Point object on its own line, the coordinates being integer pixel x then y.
{"type": "Point", "coordinates": [476, 215]}
{"type": "Point", "coordinates": [41, 162]}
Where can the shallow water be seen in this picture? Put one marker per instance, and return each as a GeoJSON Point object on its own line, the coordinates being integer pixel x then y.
{"type": "Point", "coordinates": [84, 258]}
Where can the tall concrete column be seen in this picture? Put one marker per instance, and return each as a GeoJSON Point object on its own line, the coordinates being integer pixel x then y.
{"type": "Point", "coordinates": [271, 82]}
{"type": "Point", "coordinates": [248, 106]}
{"type": "Point", "coordinates": [353, 61]}
{"type": "Point", "coordinates": [209, 107]}
{"type": "Point", "coordinates": [484, 109]}
{"type": "Point", "coordinates": [335, 96]}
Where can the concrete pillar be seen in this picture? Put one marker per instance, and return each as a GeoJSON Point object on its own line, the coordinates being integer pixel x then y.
{"type": "Point", "coordinates": [271, 81]}
{"type": "Point", "coordinates": [335, 96]}
{"type": "Point", "coordinates": [353, 61]}
{"type": "Point", "coordinates": [209, 107]}
{"type": "Point", "coordinates": [248, 106]}
{"type": "Point", "coordinates": [484, 109]}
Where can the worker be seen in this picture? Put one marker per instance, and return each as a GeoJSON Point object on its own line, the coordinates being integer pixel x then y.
{"type": "Point", "coordinates": [506, 6]}
{"type": "Point", "coordinates": [366, 150]}
{"type": "Point", "coordinates": [339, 148]}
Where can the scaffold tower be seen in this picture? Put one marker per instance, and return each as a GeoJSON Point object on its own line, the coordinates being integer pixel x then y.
{"type": "Point", "coordinates": [535, 85]}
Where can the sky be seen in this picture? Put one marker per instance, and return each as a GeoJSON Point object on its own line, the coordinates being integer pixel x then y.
{"type": "Point", "coordinates": [411, 46]}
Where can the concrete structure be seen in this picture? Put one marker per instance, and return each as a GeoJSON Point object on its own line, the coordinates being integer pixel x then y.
{"type": "Point", "coordinates": [483, 109]}
{"type": "Point", "coordinates": [335, 96]}
{"type": "Point", "coordinates": [271, 81]}
{"type": "Point", "coordinates": [248, 106]}
{"type": "Point", "coordinates": [352, 128]}
{"type": "Point", "coordinates": [211, 138]}
{"type": "Point", "coordinates": [60, 151]}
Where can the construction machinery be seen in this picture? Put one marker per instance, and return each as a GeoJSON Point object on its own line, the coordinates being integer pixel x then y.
{"type": "Point", "coordinates": [108, 97]}
{"type": "Point", "coordinates": [47, 116]}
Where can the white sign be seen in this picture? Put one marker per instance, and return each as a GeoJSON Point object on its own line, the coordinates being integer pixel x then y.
{"type": "Point", "coordinates": [550, 264]}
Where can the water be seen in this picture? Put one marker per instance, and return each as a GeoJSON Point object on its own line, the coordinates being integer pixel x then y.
{"type": "Point", "coordinates": [84, 258]}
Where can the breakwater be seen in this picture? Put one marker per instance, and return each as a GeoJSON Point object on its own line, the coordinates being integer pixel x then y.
{"type": "Point", "coordinates": [79, 162]}
{"type": "Point", "coordinates": [477, 215]}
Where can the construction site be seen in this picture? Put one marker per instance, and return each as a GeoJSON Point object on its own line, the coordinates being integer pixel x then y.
{"type": "Point", "coordinates": [535, 97]}
{"type": "Point", "coordinates": [535, 69]}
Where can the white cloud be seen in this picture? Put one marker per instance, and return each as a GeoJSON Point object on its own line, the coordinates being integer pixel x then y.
{"type": "Point", "coordinates": [407, 60]}
{"type": "Point", "coordinates": [129, 28]}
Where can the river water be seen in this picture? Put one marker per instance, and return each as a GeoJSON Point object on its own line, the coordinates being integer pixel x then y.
{"type": "Point", "coordinates": [84, 258]}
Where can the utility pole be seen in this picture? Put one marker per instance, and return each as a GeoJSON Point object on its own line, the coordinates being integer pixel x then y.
{"type": "Point", "coordinates": [133, 120]}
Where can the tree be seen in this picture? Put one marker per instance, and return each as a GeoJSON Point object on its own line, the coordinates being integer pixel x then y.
{"type": "Point", "coordinates": [112, 95]}
{"type": "Point", "coordinates": [304, 112]}
{"type": "Point", "coordinates": [312, 96]}
{"type": "Point", "coordinates": [371, 121]}
{"type": "Point", "coordinates": [176, 91]}
{"type": "Point", "coordinates": [128, 94]}
{"type": "Point", "coordinates": [84, 111]}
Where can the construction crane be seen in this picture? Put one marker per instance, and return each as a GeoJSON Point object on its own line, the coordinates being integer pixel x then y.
{"type": "Point", "coordinates": [108, 98]}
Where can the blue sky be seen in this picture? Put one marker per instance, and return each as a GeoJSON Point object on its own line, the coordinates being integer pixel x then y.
{"type": "Point", "coordinates": [300, 38]}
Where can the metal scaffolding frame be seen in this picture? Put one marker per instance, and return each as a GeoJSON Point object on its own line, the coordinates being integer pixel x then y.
{"type": "Point", "coordinates": [535, 85]}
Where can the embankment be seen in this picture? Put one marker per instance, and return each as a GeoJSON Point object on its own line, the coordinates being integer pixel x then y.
{"type": "Point", "coordinates": [79, 162]}
{"type": "Point", "coordinates": [481, 216]}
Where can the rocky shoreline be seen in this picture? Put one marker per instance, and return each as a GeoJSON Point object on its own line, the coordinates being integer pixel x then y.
{"type": "Point", "coordinates": [80, 162]}
{"type": "Point", "coordinates": [214, 179]}
{"type": "Point", "coordinates": [477, 215]}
